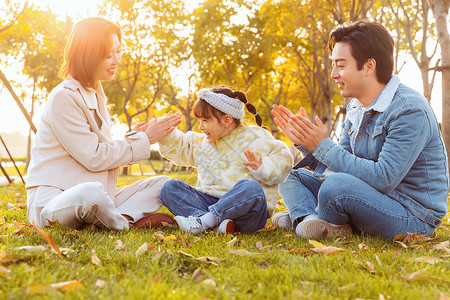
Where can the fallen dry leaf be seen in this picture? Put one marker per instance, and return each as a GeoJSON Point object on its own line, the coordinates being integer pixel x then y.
{"type": "Point", "coordinates": [209, 259]}
{"type": "Point", "coordinates": [442, 246]}
{"type": "Point", "coordinates": [23, 231]}
{"type": "Point", "coordinates": [263, 264]}
{"type": "Point", "coordinates": [100, 283]}
{"type": "Point", "coordinates": [185, 254]}
{"type": "Point", "coordinates": [316, 244]}
{"type": "Point", "coordinates": [425, 259]}
{"type": "Point", "coordinates": [39, 288]}
{"type": "Point", "coordinates": [67, 285]}
{"type": "Point", "coordinates": [328, 250]}
{"type": "Point", "coordinates": [47, 238]}
{"type": "Point", "coordinates": [209, 284]}
{"type": "Point", "coordinates": [378, 260]}
{"type": "Point", "coordinates": [241, 252]}
{"type": "Point", "coordinates": [402, 244]}
{"type": "Point", "coordinates": [232, 242]}
{"type": "Point", "coordinates": [197, 275]}
{"type": "Point", "coordinates": [260, 246]}
{"type": "Point", "coordinates": [142, 249]}
{"type": "Point", "coordinates": [50, 223]}
{"type": "Point", "coordinates": [94, 258]}
{"type": "Point", "coordinates": [443, 296]}
{"type": "Point", "coordinates": [120, 245]}
{"type": "Point", "coordinates": [32, 249]}
{"type": "Point", "coordinates": [420, 277]}
{"type": "Point", "coordinates": [362, 246]}
{"type": "Point", "coordinates": [2, 220]}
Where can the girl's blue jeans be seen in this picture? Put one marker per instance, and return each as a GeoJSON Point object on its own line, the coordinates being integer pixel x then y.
{"type": "Point", "coordinates": [344, 199]}
{"type": "Point", "coordinates": [245, 203]}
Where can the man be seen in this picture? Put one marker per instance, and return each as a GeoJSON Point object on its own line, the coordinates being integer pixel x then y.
{"type": "Point", "coordinates": [389, 173]}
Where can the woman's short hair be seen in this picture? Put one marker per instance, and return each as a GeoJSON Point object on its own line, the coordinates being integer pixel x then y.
{"type": "Point", "coordinates": [88, 45]}
{"type": "Point", "coordinates": [367, 40]}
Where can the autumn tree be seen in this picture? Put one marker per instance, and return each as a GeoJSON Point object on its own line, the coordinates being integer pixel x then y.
{"type": "Point", "coordinates": [37, 40]}
{"type": "Point", "coordinates": [440, 10]}
{"type": "Point", "coordinates": [153, 42]}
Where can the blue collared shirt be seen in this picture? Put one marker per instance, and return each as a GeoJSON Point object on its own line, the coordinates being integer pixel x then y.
{"type": "Point", "coordinates": [396, 147]}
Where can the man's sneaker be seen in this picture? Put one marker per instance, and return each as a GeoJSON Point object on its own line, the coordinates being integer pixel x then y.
{"type": "Point", "coordinates": [226, 227]}
{"type": "Point", "coordinates": [317, 228]}
{"type": "Point", "coordinates": [282, 219]}
{"type": "Point", "coordinates": [189, 224]}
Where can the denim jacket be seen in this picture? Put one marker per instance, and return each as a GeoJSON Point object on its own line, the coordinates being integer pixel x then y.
{"type": "Point", "coordinates": [398, 150]}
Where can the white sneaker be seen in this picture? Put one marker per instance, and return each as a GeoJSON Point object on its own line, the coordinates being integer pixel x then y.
{"type": "Point", "coordinates": [190, 224]}
{"type": "Point", "coordinates": [317, 228]}
{"type": "Point", "coordinates": [282, 219]}
{"type": "Point", "coordinates": [225, 227]}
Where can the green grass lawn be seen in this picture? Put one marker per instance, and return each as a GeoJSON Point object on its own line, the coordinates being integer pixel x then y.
{"type": "Point", "coordinates": [167, 264]}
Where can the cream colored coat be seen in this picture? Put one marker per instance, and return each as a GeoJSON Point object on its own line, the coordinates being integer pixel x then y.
{"type": "Point", "coordinates": [71, 148]}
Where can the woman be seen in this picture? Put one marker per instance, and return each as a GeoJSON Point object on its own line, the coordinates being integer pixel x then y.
{"type": "Point", "coordinates": [74, 166]}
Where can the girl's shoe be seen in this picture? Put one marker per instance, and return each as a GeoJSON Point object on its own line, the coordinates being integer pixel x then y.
{"type": "Point", "coordinates": [190, 224]}
{"type": "Point", "coordinates": [226, 227]}
{"type": "Point", "coordinates": [282, 219]}
{"type": "Point", "coordinates": [317, 228]}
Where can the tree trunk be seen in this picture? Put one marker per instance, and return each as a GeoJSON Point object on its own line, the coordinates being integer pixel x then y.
{"type": "Point", "coordinates": [440, 10]}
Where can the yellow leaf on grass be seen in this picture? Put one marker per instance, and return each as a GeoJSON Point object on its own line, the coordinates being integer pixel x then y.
{"type": "Point", "coordinates": [316, 244]}
{"type": "Point", "coordinates": [197, 275]}
{"type": "Point", "coordinates": [420, 277]}
{"type": "Point", "coordinates": [50, 223]}
{"type": "Point", "coordinates": [209, 259]}
{"type": "Point", "coordinates": [100, 283]}
{"type": "Point", "coordinates": [67, 285]}
{"type": "Point", "coordinates": [241, 252]}
{"type": "Point", "coordinates": [232, 242]}
{"type": "Point", "coordinates": [328, 250]}
{"type": "Point", "coordinates": [442, 246]}
{"type": "Point", "coordinates": [209, 284]}
{"type": "Point", "coordinates": [403, 244]}
{"type": "Point", "coordinates": [120, 245]}
{"type": "Point", "coordinates": [94, 258]}
{"type": "Point", "coordinates": [142, 249]}
{"type": "Point", "coordinates": [185, 254]}
{"type": "Point", "coordinates": [39, 288]}
{"type": "Point", "coordinates": [170, 239]}
{"type": "Point", "coordinates": [362, 246]}
{"type": "Point", "coordinates": [47, 238]}
{"type": "Point", "coordinates": [32, 249]}
{"type": "Point", "coordinates": [425, 259]}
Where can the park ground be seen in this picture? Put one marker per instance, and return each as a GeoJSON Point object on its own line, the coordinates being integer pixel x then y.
{"type": "Point", "coordinates": [165, 263]}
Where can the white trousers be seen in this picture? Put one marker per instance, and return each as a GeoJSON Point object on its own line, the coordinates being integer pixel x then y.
{"type": "Point", "coordinates": [89, 203]}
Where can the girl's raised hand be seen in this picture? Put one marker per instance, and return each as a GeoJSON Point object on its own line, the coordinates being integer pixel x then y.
{"type": "Point", "coordinates": [253, 161]}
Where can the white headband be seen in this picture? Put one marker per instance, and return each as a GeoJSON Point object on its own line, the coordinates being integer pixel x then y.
{"type": "Point", "coordinates": [230, 106]}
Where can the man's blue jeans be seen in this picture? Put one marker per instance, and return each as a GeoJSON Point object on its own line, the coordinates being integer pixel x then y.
{"type": "Point", "coordinates": [344, 199]}
{"type": "Point", "coordinates": [245, 203]}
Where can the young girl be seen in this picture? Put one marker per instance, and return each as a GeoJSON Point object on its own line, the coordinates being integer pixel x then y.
{"type": "Point", "coordinates": [75, 161]}
{"type": "Point", "coordinates": [239, 167]}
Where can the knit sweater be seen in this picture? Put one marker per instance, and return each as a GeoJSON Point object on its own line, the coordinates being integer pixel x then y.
{"type": "Point", "coordinates": [220, 164]}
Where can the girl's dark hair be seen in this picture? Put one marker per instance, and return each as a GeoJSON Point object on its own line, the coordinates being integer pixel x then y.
{"type": "Point", "coordinates": [203, 109]}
